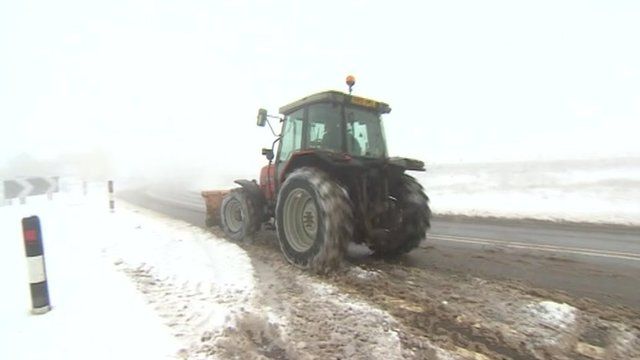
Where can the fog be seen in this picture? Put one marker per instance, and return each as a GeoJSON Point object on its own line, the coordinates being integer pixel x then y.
{"type": "Point", "coordinates": [145, 89]}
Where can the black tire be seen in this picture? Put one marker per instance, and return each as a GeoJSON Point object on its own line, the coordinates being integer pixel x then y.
{"type": "Point", "coordinates": [413, 206]}
{"type": "Point", "coordinates": [239, 215]}
{"type": "Point", "coordinates": [314, 220]}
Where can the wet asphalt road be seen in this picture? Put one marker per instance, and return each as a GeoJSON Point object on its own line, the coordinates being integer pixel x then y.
{"type": "Point", "coordinates": [600, 262]}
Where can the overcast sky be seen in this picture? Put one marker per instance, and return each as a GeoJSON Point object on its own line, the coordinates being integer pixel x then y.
{"type": "Point", "coordinates": [179, 82]}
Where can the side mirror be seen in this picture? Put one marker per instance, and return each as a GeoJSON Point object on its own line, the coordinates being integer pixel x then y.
{"type": "Point", "coordinates": [262, 117]}
{"type": "Point", "coordinates": [268, 153]}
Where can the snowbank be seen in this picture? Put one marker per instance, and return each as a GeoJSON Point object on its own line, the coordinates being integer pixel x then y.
{"type": "Point", "coordinates": [597, 191]}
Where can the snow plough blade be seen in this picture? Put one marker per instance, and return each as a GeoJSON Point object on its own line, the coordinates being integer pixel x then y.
{"type": "Point", "coordinates": [213, 202]}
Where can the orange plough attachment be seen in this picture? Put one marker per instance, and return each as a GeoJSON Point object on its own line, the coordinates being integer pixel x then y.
{"type": "Point", "coordinates": [213, 201]}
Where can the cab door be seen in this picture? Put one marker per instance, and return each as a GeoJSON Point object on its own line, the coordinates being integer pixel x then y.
{"type": "Point", "coordinates": [290, 141]}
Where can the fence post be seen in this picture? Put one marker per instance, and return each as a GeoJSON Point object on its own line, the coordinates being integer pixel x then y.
{"type": "Point", "coordinates": [34, 249]}
{"type": "Point", "coordinates": [111, 199]}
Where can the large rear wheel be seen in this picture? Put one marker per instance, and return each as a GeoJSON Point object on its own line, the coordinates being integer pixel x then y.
{"type": "Point", "coordinates": [239, 215]}
{"type": "Point", "coordinates": [314, 220]}
{"type": "Point", "coordinates": [414, 218]}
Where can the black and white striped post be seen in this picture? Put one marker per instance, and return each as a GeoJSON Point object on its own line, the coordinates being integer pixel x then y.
{"type": "Point", "coordinates": [35, 263]}
{"type": "Point", "coordinates": [111, 199]}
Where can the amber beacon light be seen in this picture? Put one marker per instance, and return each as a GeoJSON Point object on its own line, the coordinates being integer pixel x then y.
{"type": "Point", "coordinates": [351, 80]}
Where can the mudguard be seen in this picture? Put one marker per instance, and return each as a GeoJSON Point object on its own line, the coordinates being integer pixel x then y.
{"type": "Point", "coordinates": [253, 189]}
{"type": "Point", "coordinates": [407, 164]}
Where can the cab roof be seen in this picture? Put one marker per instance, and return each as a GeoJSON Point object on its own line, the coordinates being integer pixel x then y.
{"type": "Point", "coordinates": [336, 97]}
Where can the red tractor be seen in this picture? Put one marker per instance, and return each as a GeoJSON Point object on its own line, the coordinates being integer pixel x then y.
{"type": "Point", "coordinates": [329, 182]}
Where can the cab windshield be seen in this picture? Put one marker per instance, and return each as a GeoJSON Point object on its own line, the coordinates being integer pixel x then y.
{"type": "Point", "coordinates": [360, 134]}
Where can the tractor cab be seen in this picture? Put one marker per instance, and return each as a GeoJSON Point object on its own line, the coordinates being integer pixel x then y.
{"type": "Point", "coordinates": [330, 125]}
{"type": "Point", "coordinates": [336, 122]}
{"type": "Point", "coordinates": [331, 121]}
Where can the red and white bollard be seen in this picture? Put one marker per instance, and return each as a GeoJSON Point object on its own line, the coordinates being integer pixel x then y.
{"type": "Point", "coordinates": [35, 263]}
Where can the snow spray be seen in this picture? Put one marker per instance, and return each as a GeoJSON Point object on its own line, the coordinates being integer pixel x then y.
{"type": "Point", "coordinates": [35, 263]}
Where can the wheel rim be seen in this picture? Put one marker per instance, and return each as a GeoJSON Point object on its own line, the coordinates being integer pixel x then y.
{"type": "Point", "coordinates": [300, 220]}
{"type": "Point", "coordinates": [233, 215]}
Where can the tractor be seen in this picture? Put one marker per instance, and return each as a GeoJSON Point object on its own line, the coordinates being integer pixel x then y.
{"type": "Point", "coordinates": [330, 182]}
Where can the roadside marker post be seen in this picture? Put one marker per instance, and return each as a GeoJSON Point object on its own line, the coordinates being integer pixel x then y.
{"type": "Point", "coordinates": [34, 250]}
{"type": "Point", "coordinates": [111, 199]}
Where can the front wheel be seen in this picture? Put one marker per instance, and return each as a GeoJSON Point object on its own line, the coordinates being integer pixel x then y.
{"type": "Point", "coordinates": [239, 215]}
{"type": "Point", "coordinates": [314, 220]}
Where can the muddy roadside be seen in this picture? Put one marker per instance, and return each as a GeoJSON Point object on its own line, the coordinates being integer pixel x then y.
{"type": "Point", "coordinates": [472, 317]}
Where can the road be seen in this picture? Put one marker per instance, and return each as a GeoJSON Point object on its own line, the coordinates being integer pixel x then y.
{"type": "Point", "coordinates": [599, 262]}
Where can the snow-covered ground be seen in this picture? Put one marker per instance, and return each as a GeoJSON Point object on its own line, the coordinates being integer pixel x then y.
{"type": "Point", "coordinates": [137, 285]}
{"type": "Point", "coordinates": [597, 191]}
{"type": "Point", "coordinates": [97, 312]}
{"type": "Point", "coordinates": [92, 256]}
